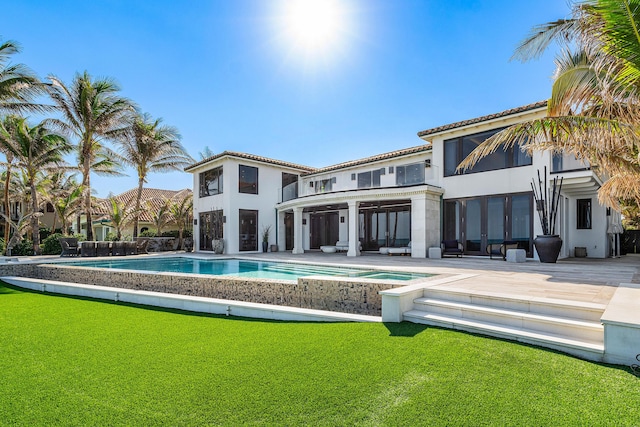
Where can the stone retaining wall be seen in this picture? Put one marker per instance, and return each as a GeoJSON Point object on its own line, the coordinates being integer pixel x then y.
{"type": "Point", "coordinates": [357, 296]}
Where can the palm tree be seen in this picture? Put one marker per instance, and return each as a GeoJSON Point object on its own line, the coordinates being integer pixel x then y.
{"type": "Point", "coordinates": [593, 111]}
{"type": "Point", "coordinates": [19, 86]}
{"type": "Point", "coordinates": [151, 147]}
{"type": "Point", "coordinates": [161, 216]}
{"type": "Point", "coordinates": [36, 150]}
{"type": "Point", "coordinates": [92, 113]}
{"type": "Point", "coordinates": [64, 194]}
{"type": "Point", "coordinates": [7, 126]}
{"type": "Point", "coordinates": [119, 216]}
{"type": "Point", "coordinates": [182, 212]}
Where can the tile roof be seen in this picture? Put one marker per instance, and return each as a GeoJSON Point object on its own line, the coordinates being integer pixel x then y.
{"type": "Point", "coordinates": [376, 158]}
{"type": "Point", "coordinates": [250, 157]}
{"type": "Point", "coordinates": [152, 197]}
{"type": "Point", "coordinates": [483, 118]}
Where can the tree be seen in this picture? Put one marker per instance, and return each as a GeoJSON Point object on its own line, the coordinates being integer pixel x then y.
{"type": "Point", "coordinates": [65, 195]}
{"type": "Point", "coordinates": [182, 212]}
{"type": "Point", "coordinates": [36, 150]}
{"type": "Point", "coordinates": [92, 112]}
{"type": "Point", "coordinates": [119, 216]}
{"type": "Point", "coordinates": [205, 153]}
{"type": "Point", "coordinates": [19, 86]}
{"type": "Point", "coordinates": [151, 147]}
{"type": "Point", "coordinates": [161, 216]}
{"type": "Point", "coordinates": [593, 110]}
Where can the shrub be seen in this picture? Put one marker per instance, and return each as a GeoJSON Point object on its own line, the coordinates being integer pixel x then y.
{"type": "Point", "coordinates": [44, 233]}
{"type": "Point", "coordinates": [23, 248]}
{"type": "Point", "coordinates": [51, 245]}
{"type": "Point", "coordinates": [172, 233]}
{"type": "Point", "coordinates": [111, 237]}
{"type": "Point", "coordinates": [148, 233]}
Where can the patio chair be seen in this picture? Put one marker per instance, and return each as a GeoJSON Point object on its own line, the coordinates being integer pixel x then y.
{"type": "Point", "coordinates": [501, 248]}
{"type": "Point", "coordinates": [69, 246]}
{"type": "Point", "coordinates": [103, 248]}
{"type": "Point", "coordinates": [451, 247]}
{"type": "Point", "coordinates": [88, 248]}
{"type": "Point", "coordinates": [117, 249]}
{"type": "Point", "coordinates": [130, 248]}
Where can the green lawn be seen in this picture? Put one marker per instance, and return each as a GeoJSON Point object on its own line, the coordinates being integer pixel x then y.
{"type": "Point", "coordinates": [70, 361]}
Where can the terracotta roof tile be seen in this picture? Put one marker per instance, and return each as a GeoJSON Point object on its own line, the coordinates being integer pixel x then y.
{"type": "Point", "coordinates": [250, 157]}
{"type": "Point", "coordinates": [483, 118]}
{"type": "Point", "coordinates": [151, 196]}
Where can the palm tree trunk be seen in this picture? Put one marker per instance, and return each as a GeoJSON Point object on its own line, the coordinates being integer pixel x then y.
{"type": "Point", "coordinates": [86, 183]}
{"type": "Point", "coordinates": [7, 207]}
{"type": "Point", "coordinates": [35, 229]}
{"type": "Point", "coordinates": [137, 213]}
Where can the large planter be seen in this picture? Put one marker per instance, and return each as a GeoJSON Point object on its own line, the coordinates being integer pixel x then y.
{"type": "Point", "coordinates": [265, 246]}
{"type": "Point", "coordinates": [548, 247]}
{"type": "Point", "coordinates": [217, 245]}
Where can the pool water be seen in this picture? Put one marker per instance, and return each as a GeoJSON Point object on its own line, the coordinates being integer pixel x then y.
{"type": "Point", "coordinates": [245, 268]}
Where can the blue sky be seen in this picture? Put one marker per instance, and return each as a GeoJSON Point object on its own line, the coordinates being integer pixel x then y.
{"type": "Point", "coordinates": [228, 77]}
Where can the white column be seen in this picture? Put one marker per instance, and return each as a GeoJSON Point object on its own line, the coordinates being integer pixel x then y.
{"type": "Point", "coordinates": [297, 231]}
{"type": "Point", "coordinates": [354, 241]}
{"type": "Point", "coordinates": [419, 226]}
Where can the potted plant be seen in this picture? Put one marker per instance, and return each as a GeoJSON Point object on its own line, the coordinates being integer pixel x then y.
{"type": "Point", "coordinates": [265, 237]}
{"type": "Point", "coordinates": [547, 200]}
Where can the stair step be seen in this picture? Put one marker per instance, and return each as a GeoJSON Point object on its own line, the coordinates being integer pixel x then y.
{"type": "Point", "coordinates": [587, 349]}
{"type": "Point", "coordinates": [545, 306]}
{"type": "Point", "coordinates": [563, 326]}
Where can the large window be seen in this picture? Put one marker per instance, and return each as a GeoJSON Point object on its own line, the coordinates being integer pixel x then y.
{"type": "Point", "coordinates": [410, 174]}
{"type": "Point", "coordinates": [248, 180]}
{"type": "Point", "coordinates": [457, 149]}
{"type": "Point", "coordinates": [211, 182]}
{"type": "Point", "coordinates": [323, 185]}
{"type": "Point", "coordinates": [584, 214]}
{"type": "Point", "coordinates": [370, 178]}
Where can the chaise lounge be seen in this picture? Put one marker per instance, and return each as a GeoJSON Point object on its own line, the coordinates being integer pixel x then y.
{"type": "Point", "coordinates": [406, 250]}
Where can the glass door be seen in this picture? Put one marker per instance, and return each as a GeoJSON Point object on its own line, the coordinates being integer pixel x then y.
{"type": "Point", "coordinates": [473, 230]}
{"type": "Point", "coordinates": [248, 237]}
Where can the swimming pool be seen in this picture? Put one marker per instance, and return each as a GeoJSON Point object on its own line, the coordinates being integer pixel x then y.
{"type": "Point", "coordinates": [246, 268]}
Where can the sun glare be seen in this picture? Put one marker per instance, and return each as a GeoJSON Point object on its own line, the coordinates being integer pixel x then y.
{"type": "Point", "coordinates": [313, 28]}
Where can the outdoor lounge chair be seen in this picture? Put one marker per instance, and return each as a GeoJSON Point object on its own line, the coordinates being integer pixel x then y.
{"type": "Point", "coordinates": [103, 248]}
{"type": "Point", "coordinates": [343, 245]}
{"type": "Point", "coordinates": [451, 247]}
{"type": "Point", "coordinates": [69, 246]}
{"type": "Point", "coordinates": [501, 248]}
{"type": "Point", "coordinates": [406, 250]}
{"type": "Point", "coordinates": [130, 248]}
{"type": "Point", "coordinates": [88, 248]}
{"type": "Point", "coordinates": [117, 249]}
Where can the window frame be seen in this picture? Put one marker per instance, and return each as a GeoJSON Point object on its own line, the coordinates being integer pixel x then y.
{"type": "Point", "coordinates": [218, 173]}
{"type": "Point", "coordinates": [457, 146]}
{"type": "Point", "coordinates": [584, 214]}
{"type": "Point", "coordinates": [247, 187]}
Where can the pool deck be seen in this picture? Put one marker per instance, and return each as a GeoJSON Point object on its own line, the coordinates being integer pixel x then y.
{"type": "Point", "coordinates": [574, 279]}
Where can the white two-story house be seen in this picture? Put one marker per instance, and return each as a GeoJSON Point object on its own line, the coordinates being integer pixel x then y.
{"type": "Point", "coordinates": [413, 196]}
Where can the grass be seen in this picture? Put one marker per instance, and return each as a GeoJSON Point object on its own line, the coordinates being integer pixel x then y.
{"type": "Point", "coordinates": [71, 361]}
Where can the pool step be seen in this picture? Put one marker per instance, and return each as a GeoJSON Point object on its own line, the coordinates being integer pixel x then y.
{"type": "Point", "coordinates": [568, 326]}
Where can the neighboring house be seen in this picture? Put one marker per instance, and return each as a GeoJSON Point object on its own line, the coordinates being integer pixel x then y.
{"type": "Point", "coordinates": [151, 201]}
{"type": "Point", "coordinates": [412, 195]}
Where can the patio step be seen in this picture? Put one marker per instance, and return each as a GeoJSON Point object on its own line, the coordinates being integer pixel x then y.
{"type": "Point", "coordinates": [568, 326]}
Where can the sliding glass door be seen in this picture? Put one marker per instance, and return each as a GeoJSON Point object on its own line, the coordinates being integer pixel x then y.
{"type": "Point", "coordinates": [480, 221]}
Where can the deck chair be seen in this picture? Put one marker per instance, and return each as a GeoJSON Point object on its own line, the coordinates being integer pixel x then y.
{"type": "Point", "coordinates": [69, 246]}
{"type": "Point", "coordinates": [451, 247]}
